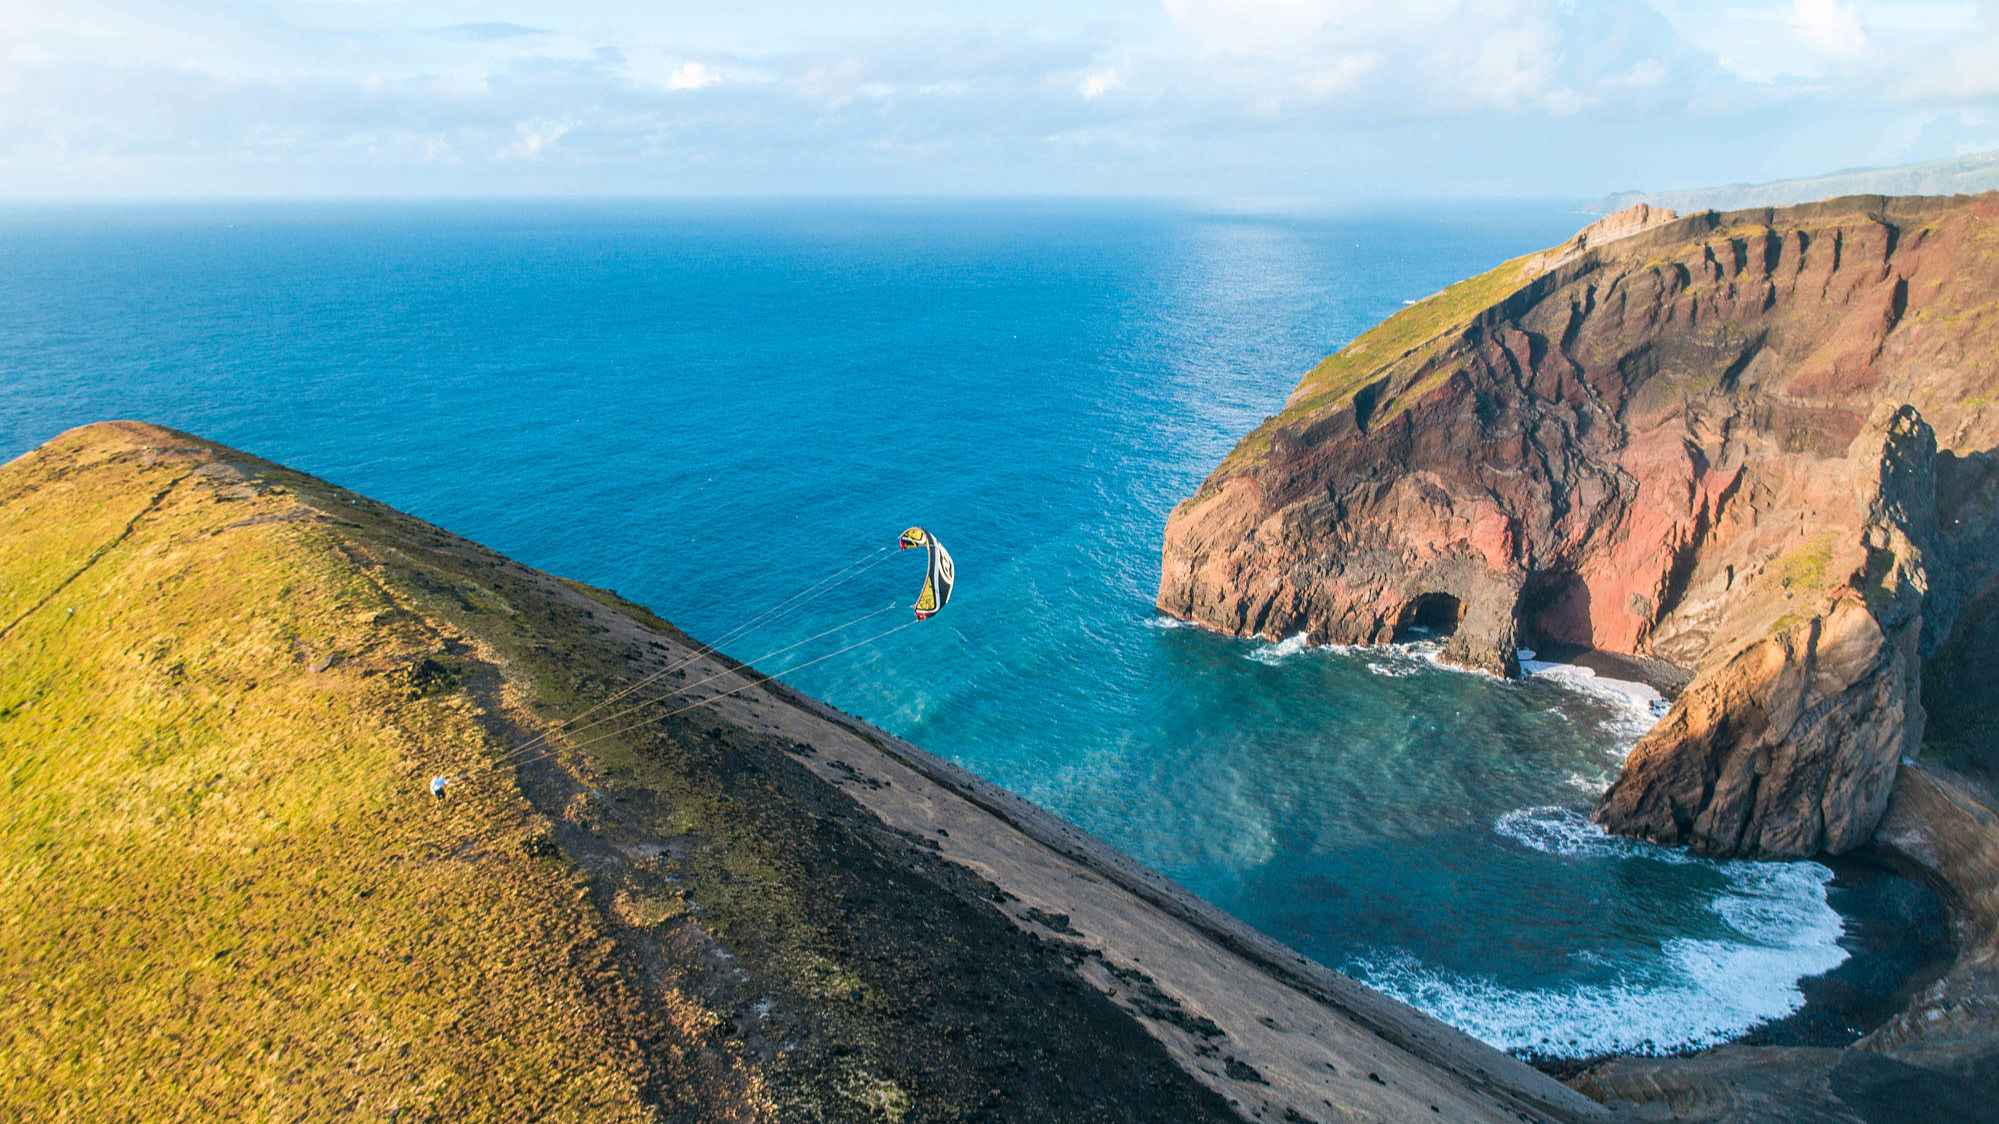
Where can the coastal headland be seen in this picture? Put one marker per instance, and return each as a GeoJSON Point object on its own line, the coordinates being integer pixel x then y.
{"type": "Point", "coordinates": [1757, 450]}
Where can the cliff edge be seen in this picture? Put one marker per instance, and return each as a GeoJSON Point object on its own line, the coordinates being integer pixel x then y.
{"type": "Point", "coordinates": [1756, 445]}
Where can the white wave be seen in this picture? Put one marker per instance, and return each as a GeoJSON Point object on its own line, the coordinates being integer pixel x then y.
{"type": "Point", "coordinates": [1590, 784]}
{"type": "Point", "coordinates": [1398, 661]}
{"type": "Point", "coordinates": [1280, 651]}
{"type": "Point", "coordinates": [1779, 900]}
{"type": "Point", "coordinates": [1704, 991]}
{"type": "Point", "coordinates": [1165, 622]}
{"type": "Point", "coordinates": [1637, 707]}
{"type": "Point", "coordinates": [1392, 660]}
{"type": "Point", "coordinates": [1721, 992]}
{"type": "Point", "coordinates": [1405, 657]}
{"type": "Point", "coordinates": [1555, 830]}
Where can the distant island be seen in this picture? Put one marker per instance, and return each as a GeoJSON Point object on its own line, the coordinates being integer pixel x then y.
{"type": "Point", "coordinates": [1959, 175]}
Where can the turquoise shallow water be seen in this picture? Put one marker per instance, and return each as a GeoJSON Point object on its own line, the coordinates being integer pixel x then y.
{"type": "Point", "coordinates": [708, 406]}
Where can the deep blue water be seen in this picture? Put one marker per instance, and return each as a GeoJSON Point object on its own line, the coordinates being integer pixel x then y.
{"type": "Point", "coordinates": [709, 406]}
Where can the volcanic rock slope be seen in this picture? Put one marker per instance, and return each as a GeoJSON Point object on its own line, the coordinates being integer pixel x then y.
{"type": "Point", "coordinates": [226, 893]}
{"type": "Point", "coordinates": [1756, 445]}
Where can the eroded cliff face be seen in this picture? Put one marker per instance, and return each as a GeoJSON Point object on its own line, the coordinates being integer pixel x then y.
{"type": "Point", "coordinates": [1674, 437]}
{"type": "Point", "coordinates": [1789, 746]}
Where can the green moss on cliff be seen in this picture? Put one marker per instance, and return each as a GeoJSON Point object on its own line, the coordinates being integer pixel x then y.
{"type": "Point", "coordinates": [1340, 375]}
{"type": "Point", "coordinates": [1802, 569]}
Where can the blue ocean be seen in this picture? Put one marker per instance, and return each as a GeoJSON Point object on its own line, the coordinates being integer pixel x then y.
{"type": "Point", "coordinates": [709, 406]}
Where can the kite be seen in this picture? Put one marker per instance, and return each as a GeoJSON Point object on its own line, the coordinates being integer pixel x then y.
{"type": "Point", "coordinates": [938, 579]}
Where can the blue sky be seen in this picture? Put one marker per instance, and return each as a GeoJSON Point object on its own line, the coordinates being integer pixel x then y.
{"type": "Point", "coordinates": [1233, 102]}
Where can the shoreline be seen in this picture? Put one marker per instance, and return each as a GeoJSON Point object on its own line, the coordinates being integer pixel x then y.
{"type": "Point", "coordinates": [1785, 1033]}
{"type": "Point", "coordinates": [1667, 679]}
{"type": "Point", "coordinates": [1966, 930]}
{"type": "Point", "coordinates": [1635, 677]}
{"type": "Point", "coordinates": [1840, 1005]}
{"type": "Point", "coordinates": [1936, 1058]}
{"type": "Point", "coordinates": [1941, 832]}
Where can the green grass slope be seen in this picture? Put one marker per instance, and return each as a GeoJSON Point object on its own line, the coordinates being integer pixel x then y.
{"type": "Point", "coordinates": [216, 891]}
{"type": "Point", "coordinates": [225, 892]}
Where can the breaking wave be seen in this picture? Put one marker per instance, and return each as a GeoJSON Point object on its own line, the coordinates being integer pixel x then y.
{"type": "Point", "coordinates": [1280, 651]}
{"type": "Point", "coordinates": [1555, 830]}
{"type": "Point", "coordinates": [1634, 707]}
{"type": "Point", "coordinates": [1698, 991]}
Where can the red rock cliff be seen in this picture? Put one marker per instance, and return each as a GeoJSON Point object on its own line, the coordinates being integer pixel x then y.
{"type": "Point", "coordinates": [1721, 441]}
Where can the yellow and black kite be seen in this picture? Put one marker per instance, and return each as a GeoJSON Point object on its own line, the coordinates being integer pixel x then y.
{"type": "Point", "coordinates": [938, 579]}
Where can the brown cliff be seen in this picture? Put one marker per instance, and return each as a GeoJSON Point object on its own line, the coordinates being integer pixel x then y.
{"type": "Point", "coordinates": [1676, 438]}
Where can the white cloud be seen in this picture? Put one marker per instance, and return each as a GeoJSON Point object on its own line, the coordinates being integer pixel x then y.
{"type": "Point", "coordinates": [841, 83]}
{"type": "Point", "coordinates": [534, 138]}
{"type": "Point", "coordinates": [1414, 56]}
{"type": "Point", "coordinates": [1343, 72]}
{"type": "Point", "coordinates": [693, 75]}
{"type": "Point", "coordinates": [1829, 27]}
{"type": "Point", "coordinates": [1096, 83]}
{"type": "Point", "coordinates": [655, 67]}
{"type": "Point", "coordinates": [405, 97]}
{"type": "Point", "coordinates": [1645, 73]}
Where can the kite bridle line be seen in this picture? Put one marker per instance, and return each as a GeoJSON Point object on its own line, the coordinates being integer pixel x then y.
{"type": "Point", "coordinates": [514, 756]}
{"type": "Point", "coordinates": [715, 698]}
{"type": "Point", "coordinates": [772, 614]}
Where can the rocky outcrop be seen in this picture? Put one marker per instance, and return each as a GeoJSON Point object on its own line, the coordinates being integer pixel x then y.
{"type": "Point", "coordinates": [1789, 747]}
{"type": "Point", "coordinates": [1664, 438]}
{"type": "Point", "coordinates": [1602, 232]}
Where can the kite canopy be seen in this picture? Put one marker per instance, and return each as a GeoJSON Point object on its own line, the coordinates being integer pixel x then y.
{"type": "Point", "coordinates": [938, 579]}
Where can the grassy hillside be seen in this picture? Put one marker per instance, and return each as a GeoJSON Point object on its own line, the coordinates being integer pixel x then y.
{"type": "Point", "coordinates": [225, 891]}
{"type": "Point", "coordinates": [223, 885]}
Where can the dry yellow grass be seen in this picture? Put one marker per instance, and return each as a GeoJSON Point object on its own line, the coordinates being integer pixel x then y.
{"type": "Point", "coordinates": [223, 889]}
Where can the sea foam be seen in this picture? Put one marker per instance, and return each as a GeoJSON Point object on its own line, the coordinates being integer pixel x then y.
{"type": "Point", "coordinates": [1700, 992]}
{"type": "Point", "coordinates": [1556, 830]}
{"type": "Point", "coordinates": [1709, 992]}
{"type": "Point", "coordinates": [1636, 707]}
{"type": "Point", "coordinates": [1280, 651]}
